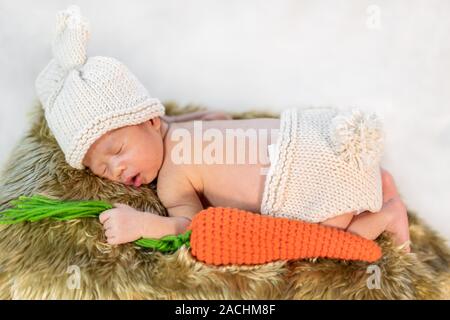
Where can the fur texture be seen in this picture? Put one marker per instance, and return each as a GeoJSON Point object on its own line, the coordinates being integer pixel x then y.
{"type": "Point", "coordinates": [36, 258]}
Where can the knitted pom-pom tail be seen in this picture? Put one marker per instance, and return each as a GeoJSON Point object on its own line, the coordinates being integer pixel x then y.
{"type": "Point", "coordinates": [357, 137]}
{"type": "Point", "coordinates": [222, 236]}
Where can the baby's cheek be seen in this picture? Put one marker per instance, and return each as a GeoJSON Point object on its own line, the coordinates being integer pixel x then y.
{"type": "Point", "coordinates": [147, 158]}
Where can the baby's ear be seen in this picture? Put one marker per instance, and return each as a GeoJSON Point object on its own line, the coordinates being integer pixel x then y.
{"type": "Point", "coordinates": [85, 161]}
{"type": "Point", "coordinates": [155, 122]}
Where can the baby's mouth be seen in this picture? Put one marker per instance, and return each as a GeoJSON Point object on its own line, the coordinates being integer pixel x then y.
{"type": "Point", "coordinates": [137, 180]}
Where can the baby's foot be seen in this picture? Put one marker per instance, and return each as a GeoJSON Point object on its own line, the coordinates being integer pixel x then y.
{"type": "Point", "coordinates": [388, 186]}
{"type": "Point", "coordinates": [398, 225]}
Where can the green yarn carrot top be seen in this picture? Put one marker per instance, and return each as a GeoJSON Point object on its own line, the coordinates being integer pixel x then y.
{"type": "Point", "coordinates": [38, 207]}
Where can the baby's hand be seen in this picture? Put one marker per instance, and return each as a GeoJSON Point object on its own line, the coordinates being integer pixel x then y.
{"type": "Point", "coordinates": [122, 224]}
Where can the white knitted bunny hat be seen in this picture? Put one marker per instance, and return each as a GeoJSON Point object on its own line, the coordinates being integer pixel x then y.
{"type": "Point", "coordinates": [84, 98]}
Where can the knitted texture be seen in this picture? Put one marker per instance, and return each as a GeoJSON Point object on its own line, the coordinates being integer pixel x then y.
{"type": "Point", "coordinates": [326, 163]}
{"type": "Point", "coordinates": [223, 236]}
{"type": "Point", "coordinates": [84, 98]}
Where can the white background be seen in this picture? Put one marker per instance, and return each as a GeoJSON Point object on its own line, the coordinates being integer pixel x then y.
{"type": "Point", "coordinates": [389, 56]}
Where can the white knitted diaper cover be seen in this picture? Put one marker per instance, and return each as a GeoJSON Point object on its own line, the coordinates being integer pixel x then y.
{"type": "Point", "coordinates": [326, 162]}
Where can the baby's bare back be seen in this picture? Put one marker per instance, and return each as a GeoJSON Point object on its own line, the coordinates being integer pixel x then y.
{"type": "Point", "coordinates": [224, 162]}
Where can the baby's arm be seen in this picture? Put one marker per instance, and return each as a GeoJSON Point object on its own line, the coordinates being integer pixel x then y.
{"type": "Point", "coordinates": [181, 202]}
{"type": "Point", "coordinates": [124, 224]}
{"type": "Point", "coordinates": [180, 199]}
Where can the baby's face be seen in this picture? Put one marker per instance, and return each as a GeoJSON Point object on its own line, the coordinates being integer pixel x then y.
{"type": "Point", "coordinates": [131, 155]}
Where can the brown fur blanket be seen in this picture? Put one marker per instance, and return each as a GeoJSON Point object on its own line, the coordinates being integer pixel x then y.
{"type": "Point", "coordinates": [70, 260]}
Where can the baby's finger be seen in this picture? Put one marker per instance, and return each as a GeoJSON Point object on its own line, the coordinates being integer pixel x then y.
{"type": "Point", "coordinates": [104, 216]}
{"type": "Point", "coordinates": [109, 233]}
{"type": "Point", "coordinates": [112, 240]}
{"type": "Point", "coordinates": [388, 186]}
{"type": "Point", "coordinates": [107, 225]}
{"type": "Point", "coordinates": [121, 205]}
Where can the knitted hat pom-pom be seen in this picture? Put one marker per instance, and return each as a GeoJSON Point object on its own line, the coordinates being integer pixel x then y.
{"type": "Point", "coordinates": [71, 37]}
{"type": "Point", "coordinates": [357, 137]}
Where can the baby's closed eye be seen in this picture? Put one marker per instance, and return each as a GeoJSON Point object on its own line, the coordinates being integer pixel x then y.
{"type": "Point", "coordinates": [119, 150]}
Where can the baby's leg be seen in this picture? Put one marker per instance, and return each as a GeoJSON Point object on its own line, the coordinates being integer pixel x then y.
{"type": "Point", "coordinates": [393, 217]}
{"type": "Point", "coordinates": [342, 221]}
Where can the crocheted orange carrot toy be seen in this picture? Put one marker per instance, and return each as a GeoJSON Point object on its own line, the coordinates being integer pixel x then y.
{"type": "Point", "coordinates": [220, 236]}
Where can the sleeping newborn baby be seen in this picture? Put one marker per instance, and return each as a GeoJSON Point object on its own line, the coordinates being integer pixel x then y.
{"type": "Point", "coordinates": [320, 165]}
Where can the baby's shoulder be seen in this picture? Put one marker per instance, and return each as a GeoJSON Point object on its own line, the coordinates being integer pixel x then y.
{"type": "Point", "coordinates": [174, 186]}
{"type": "Point", "coordinates": [174, 178]}
{"type": "Point", "coordinates": [168, 173]}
